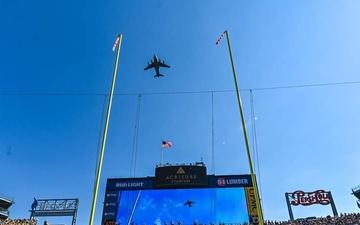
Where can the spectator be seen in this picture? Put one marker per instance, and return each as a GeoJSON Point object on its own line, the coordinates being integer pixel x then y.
{"type": "Point", "coordinates": [19, 222]}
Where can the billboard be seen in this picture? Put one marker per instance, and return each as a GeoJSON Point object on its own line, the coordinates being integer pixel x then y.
{"type": "Point", "coordinates": [302, 198]}
{"type": "Point", "coordinates": [179, 176]}
{"type": "Point", "coordinates": [309, 198]}
{"type": "Point", "coordinates": [222, 200]}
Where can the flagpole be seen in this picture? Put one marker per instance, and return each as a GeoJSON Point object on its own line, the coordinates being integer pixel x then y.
{"type": "Point", "coordinates": [162, 153]}
{"type": "Point", "coordinates": [162, 156]}
{"type": "Point", "coordinates": [99, 166]}
{"type": "Point", "coordinates": [245, 134]}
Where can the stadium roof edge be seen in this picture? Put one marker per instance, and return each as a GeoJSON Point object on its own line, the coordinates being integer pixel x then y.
{"type": "Point", "coordinates": [356, 189]}
{"type": "Point", "coordinates": [6, 202]}
{"type": "Point", "coordinates": [153, 177]}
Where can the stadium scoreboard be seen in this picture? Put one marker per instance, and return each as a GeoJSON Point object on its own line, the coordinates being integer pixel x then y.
{"type": "Point", "coordinates": [155, 199]}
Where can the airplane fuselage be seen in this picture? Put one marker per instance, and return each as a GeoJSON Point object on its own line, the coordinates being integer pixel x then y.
{"type": "Point", "coordinates": [156, 65]}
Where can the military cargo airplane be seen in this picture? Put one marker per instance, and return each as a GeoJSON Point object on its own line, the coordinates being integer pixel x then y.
{"type": "Point", "coordinates": [189, 203]}
{"type": "Point", "coordinates": [156, 64]}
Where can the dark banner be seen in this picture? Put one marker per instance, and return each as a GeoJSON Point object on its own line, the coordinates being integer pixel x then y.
{"type": "Point", "coordinates": [129, 184]}
{"type": "Point", "coordinates": [110, 205]}
{"type": "Point", "coordinates": [229, 181]}
{"type": "Point", "coordinates": [180, 176]}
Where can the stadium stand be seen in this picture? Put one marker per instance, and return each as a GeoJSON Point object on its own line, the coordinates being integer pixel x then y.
{"type": "Point", "coordinates": [5, 204]}
{"type": "Point", "coordinates": [18, 222]}
{"type": "Point", "coordinates": [356, 193]}
{"type": "Point", "coordinates": [343, 219]}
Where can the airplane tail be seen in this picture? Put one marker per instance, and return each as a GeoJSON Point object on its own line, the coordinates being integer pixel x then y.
{"type": "Point", "coordinates": [159, 75]}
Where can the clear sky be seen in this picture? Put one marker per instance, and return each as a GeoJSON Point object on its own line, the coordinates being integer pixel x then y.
{"type": "Point", "coordinates": [56, 67]}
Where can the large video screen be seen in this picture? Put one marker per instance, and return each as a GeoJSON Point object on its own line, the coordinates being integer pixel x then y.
{"type": "Point", "coordinates": [161, 206]}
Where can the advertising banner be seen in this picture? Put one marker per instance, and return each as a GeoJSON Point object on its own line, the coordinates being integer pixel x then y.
{"type": "Point", "coordinates": [230, 181]}
{"type": "Point", "coordinates": [251, 205]}
{"type": "Point", "coordinates": [110, 205]}
{"type": "Point", "coordinates": [129, 184]}
{"type": "Point", "coordinates": [303, 198]}
{"type": "Point", "coordinates": [179, 176]}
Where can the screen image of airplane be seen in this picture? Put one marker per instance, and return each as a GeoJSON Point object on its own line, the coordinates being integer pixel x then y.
{"type": "Point", "coordinates": [204, 205]}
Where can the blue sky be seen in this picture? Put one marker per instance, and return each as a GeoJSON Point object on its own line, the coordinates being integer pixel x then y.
{"type": "Point", "coordinates": [56, 67]}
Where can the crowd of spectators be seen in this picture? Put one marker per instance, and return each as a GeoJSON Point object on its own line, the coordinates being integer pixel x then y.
{"type": "Point", "coordinates": [342, 219]}
{"type": "Point", "coordinates": [19, 222]}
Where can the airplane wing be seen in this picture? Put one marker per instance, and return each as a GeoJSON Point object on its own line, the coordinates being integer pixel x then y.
{"type": "Point", "coordinates": [149, 66]}
{"type": "Point", "coordinates": [163, 64]}
{"type": "Point", "coordinates": [189, 203]}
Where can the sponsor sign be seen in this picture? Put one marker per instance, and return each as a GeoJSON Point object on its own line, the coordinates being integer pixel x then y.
{"type": "Point", "coordinates": [111, 196]}
{"type": "Point", "coordinates": [230, 181]}
{"type": "Point", "coordinates": [129, 184]}
{"type": "Point", "coordinates": [251, 202]}
{"type": "Point", "coordinates": [109, 215]}
{"type": "Point", "coordinates": [180, 176]}
{"type": "Point", "coordinates": [110, 205]}
{"type": "Point", "coordinates": [309, 198]}
{"type": "Point", "coordinates": [251, 205]}
{"type": "Point", "coordinates": [320, 197]}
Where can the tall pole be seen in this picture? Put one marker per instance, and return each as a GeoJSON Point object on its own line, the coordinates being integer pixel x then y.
{"type": "Point", "coordinates": [99, 166]}
{"type": "Point", "coordinates": [162, 156]}
{"type": "Point", "coordinates": [162, 153]}
{"type": "Point", "coordinates": [257, 198]}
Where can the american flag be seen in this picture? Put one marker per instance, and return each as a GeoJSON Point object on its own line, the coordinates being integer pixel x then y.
{"type": "Point", "coordinates": [166, 144]}
{"type": "Point", "coordinates": [221, 36]}
{"type": "Point", "coordinates": [116, 43]}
